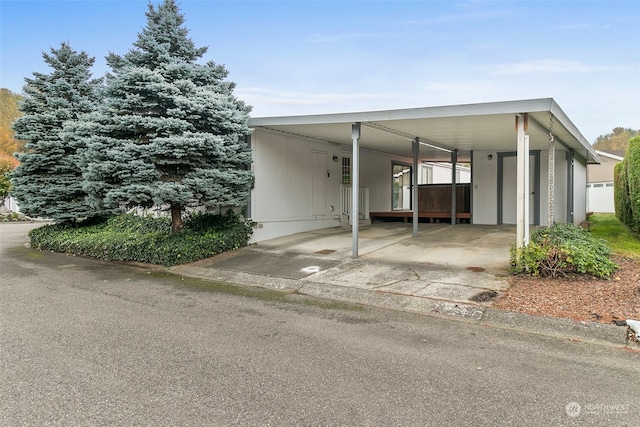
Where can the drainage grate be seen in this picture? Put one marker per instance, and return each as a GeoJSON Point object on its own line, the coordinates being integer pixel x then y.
{"type": "Point", "coordinates": [484, 296]}
{"type": "Point", "coordinates": [325, 252]}
{"type": "Point", "coordinates": [476, 269]}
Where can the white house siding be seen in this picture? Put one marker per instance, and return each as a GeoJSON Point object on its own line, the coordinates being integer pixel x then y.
{"type": "Point", "coordinates": [485, 179]}
{"type": "Point", "coordinates": [580, 191]}
{"type": "Point", "coordinates": [284, 199]}
{"type": "Point", "coordinates": [560, 187]}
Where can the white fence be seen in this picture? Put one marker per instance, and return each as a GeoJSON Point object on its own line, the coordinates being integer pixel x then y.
{"type": "Point", "coordinates": [346, 202]}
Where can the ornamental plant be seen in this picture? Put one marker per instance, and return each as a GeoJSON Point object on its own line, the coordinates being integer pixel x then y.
{"type": "Point", "coordinates": [563, 249]}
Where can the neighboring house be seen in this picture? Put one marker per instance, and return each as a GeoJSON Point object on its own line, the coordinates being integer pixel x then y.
{"type": "Point", "coordinates": [440, 173]}
{"type": "Point", "coordinates": [11, 205]}
{"type": "Point", "coordinates": [312, 172]}
{"type": "Point", "coordinates": [600, 182]}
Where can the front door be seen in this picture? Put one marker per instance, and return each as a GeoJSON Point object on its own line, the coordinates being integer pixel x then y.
{"type": "Point", "coordinates": [508, 197]}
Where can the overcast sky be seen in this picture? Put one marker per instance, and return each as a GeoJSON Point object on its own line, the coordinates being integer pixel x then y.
{"type": "Point", "coordinates": [306, 57]}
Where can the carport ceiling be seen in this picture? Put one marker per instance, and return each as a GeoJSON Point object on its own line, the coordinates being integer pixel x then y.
{"type": "Point", "coordinates": [486, 127]}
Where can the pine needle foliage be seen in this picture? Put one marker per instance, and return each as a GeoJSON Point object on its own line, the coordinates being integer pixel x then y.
{"type": "Point", "coordinates": [48, 181]}
{"type": "Point", "coordinates": [171, 134]}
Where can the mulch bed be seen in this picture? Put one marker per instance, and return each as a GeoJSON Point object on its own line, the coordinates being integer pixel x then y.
{"type": "Point", "coordinates": [578, 297]}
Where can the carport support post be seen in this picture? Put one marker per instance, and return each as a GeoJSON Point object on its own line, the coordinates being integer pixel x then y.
{"type": "Point", "coordinates": [522, 181]}
{"type": "Point", "coordinates": [355, 188]}
{"type": "Point", "coordinates": [416, 206]}
{"type": "Point", "coordinates": [454, 194]}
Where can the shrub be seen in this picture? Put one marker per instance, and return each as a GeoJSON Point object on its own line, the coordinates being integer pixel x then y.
{"type": "Point", "coordinates": [146, 239]}
{"type": "Point", "coordinates": [563, 249]}
{"type": "Point", "coordinates": [621, 199]}
{"type": "Point", "coordinates": [632, 157]}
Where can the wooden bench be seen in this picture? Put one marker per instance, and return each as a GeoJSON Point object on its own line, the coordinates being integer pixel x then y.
{"type": "Point", "coordinates": [408, 215]}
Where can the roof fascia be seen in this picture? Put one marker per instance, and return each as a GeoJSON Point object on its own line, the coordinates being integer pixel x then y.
{"type": "Point", "coordinates": [568, 124]}
{"type": "Point", "coordinates": [489, 108]}
{"type": "Point", "coordinates": [609, 155]}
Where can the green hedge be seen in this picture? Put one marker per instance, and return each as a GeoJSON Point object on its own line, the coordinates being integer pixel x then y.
{"type": "Point", "coordinates": [563, 249]}
{"type": "Point", "coordinates": [146, 239]}
{"type": "Point", "coordinates": [627, 186]}
{"type": "Point", "coordinates": [632, 157]}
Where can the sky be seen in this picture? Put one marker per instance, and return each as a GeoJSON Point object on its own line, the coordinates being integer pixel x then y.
{"type": "Point", "coordinates": [313, 57]}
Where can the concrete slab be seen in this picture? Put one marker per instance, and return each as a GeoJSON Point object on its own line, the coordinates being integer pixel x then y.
{"type": "Point", "coordinates": [290, 266]}
{"type": "Point", "coordinates": [437, 273]}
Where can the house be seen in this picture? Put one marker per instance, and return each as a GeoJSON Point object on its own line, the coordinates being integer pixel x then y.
{"type": "Point", "coordinates": [528, 166]}
{"type": "Point", "coordinates": [600, 182]}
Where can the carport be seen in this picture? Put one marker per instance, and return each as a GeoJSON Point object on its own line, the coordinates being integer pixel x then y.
{"type": "Point", "coordinates": [452, 134]}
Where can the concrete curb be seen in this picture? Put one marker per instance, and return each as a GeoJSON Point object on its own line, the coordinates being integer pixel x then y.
{"type": "Point", "coordinates": [579, 331]}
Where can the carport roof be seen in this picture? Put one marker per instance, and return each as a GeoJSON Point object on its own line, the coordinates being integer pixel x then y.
{"type": "Point", "coordinates": [485, 126]}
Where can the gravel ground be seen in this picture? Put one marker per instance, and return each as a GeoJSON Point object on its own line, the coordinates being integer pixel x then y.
{"type": "Point", "coordinates": [578, 297]}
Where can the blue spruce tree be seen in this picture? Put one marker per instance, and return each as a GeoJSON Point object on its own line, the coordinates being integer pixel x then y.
{"type": "Point", "coordinates": [48, 182]}
{"type": "Point", "coordinates": [171, 135]}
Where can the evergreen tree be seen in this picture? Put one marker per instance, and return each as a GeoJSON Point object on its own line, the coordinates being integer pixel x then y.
{"type": "Point", "coordinates": [172, 135]}
{"type": "Point", "coordinates": [48, 182]}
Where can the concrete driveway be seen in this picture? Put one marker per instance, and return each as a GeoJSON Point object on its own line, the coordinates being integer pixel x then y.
{"type": "Point", "coordinates": [444, 264]}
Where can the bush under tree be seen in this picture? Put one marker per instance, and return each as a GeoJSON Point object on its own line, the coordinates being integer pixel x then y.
{"type": "Point", "coordinates": [48, 182]}
{"type": "Point", "coordinates": [145, 239]}
{"type": "Point", "coordinates": [171, 134]}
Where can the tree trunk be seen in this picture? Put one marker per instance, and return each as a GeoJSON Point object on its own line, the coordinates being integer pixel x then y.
{"type": "Point", "coordinates": [176, 219]}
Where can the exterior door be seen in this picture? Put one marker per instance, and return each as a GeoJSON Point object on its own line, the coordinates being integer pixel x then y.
{"type": "Point", "coordinates": [508, 208]}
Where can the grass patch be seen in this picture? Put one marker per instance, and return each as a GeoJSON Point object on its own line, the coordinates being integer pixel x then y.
{"type": "Point", "coordinates": [618, 237]}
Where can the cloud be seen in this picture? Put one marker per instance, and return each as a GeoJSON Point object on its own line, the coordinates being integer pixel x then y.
{"type": "Point", "coordinates": [332, 38]}
{"type": "Point", "coordinates": [270, 102]}
{"type": "Point", "coordinates": [572, 26]}
{"type": "Point", "coordinates": [548, 66]}
{"type": "Point", "coordinates": [468, 16]}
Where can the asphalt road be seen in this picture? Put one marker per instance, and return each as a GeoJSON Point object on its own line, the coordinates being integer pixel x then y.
{"type": "Point", "coordinates": [84, 342]}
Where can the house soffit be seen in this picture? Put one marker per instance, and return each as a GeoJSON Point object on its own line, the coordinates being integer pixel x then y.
{"type": "Point", "coordinates": [466, 128]}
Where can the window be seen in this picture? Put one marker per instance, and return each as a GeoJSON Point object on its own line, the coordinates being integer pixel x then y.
{"type": "Point", "coordinates": [401, 184]}
{"type": "Point", "coordinates": [346, 170]}
{"type": "Point", "coordinates": [427, 175]}
{"type": "Point", "coordinates": [609, 184]}
{"type": "Point", "coordinates": [598, 185]}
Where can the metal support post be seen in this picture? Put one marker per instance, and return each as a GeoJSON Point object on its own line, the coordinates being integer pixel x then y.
{"type": "Point", "coordinates": [355, 189]}
{"type": "Point", "coordinates": [414, 178]}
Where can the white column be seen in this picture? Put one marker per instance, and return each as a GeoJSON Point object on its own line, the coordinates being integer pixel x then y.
{"type": "Point", "coordinates": [416, 219]}
{"type": "Point", "coordinates": [551, 198]}
{"type": "Point", "coordinates": [522, 181]}
{"type": "Point", "coordinates": [355, 188]}
{"type": "Point", "coordinates": [454, 198]}
{"type": "Point", "coordinates": [527, 192]}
